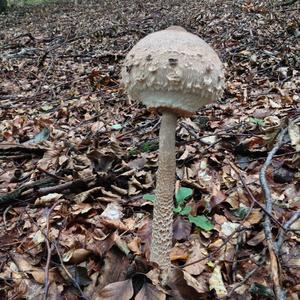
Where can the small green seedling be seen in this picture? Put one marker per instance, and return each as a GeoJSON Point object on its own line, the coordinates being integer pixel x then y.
{"type": "Point", "coordinates": [182, 194]}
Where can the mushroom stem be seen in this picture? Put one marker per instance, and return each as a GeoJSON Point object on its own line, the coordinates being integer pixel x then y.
{"type": "Point", "coordinates": [162, 227]}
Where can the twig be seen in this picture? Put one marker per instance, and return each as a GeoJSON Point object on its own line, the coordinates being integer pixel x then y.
{"type": "Point", "coordinates": [238, 229]}
{"type": "Point", "coordinates": [235, 261]}
{"type": "Point", "coordinates": [252, 196]}
{"type": "Point", "coordinates": [157, 123]}
{"type": "Point", "coordinates": [248, 275]}
{"type": "Point", "coordinates": [286, 3]}
{"type": "Point", "coordinates": [45, 77]}
{"type": "Point", "coordinates": [49, 250]}
{"type": "Point", "coordinates": [274, 264]}
{"type": "Point", "coordinates": [69, 275]}
{"type": "Point", "coordinates": [208, 256]}
{"type": "Point", "coordinates": [50, 174]}
{"type": "Point", "coordinates": [286, 226]}
{"type": "Point", "coordinates": [212, 145]}
{"type": "Point", "coordinates": [4, 215]}
{"type": "Point", "coordinates": [60, 187]}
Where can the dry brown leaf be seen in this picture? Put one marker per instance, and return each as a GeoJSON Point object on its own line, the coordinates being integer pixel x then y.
{"type": "Point", "coordinates": [198, 252]}
{"type": "Point", "coordinates": [48, 199]}
{"type": "Point", "coordinates": [120, 290]}
{"type": "Point", "coordinates": [149, 292]}
{"type": "Point", "coordinates": [135, 245]}
{"type": "Point", "coordinates": [216, 282]}
{"type": "Point", "coordinates": [179, 253]}
{"type": "Point", "coordinates": [76, 256]}
{"type": "Point", "coordinates": [181, 228]}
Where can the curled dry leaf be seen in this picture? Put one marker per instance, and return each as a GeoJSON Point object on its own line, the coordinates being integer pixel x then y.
{"type": "Point", "coordinates": [185, 286]}
{"type": "Point", "coordinates": [179, 253]}
{"type": "Point", "coordinates": [121, 244]}
{"type": "Point", "coordinates": [181, 228]}
{"type": "Point", "coordinates": [76, 256]}
{"type": "Point", "coordinates": [47, 199]}
{"type": "Point", "coordinates": [135, 245]}
{"type": "Point", "coordinates": [120, 290]}
{"type": "Point", "coordinates": [257, 239]}
{"type": "Point", "coordinates": [81, 197]}
{"type": "Point", "coordinates": [150, 292]}
{"type": "Point", "coordinates": [198, 252]}
{"type": "Point", "coordinates": [216, 282]}
{"type": "Point", "coordinates": [24, 266]}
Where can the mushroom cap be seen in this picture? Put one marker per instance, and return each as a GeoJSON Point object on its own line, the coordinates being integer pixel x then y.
{"type": "Point", "coordinates": [173, 69]}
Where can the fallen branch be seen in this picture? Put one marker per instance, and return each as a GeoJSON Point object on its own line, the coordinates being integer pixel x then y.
{"type": "Point", "coordinates": [287, 3]}
{"type": "Point", "coordinates": [15, 195]}
{"type": "Point", "coordinates": [273, 248]}
{"type": "Point", "coordinates": [286, 227]}
{"type": "Point", "coordinates": [252, 196]}
{"type": "Point", "coordinates": [274, 264]}
{"type": "Point", "coordinates": [75, 283]}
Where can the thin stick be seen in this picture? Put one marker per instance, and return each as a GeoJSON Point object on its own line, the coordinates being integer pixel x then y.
{"type": "Point", "coordinates": [68, 274]}
{"type": "Point", "coordinates": [286, 226]}
{"type": "Point", "coordinates": [248, 275]}
{"type": "Point", "coordinates": [252, 196]}
{"type": "Point", "coordinates": [49, 249]}
{"type": "Point", "coordinates": [238, 229]}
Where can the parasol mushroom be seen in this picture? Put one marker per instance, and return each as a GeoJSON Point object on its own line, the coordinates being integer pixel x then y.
{"type": "Point", "coordinates": [173, 72]}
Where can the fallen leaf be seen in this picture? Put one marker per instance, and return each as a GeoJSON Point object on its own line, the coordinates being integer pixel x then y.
{"type": "Point", "coordinates": [150, 292]}
{"type": "Point", "coordinates": [181, 228]}
{"type": "Point", "coordinates": [216, 282]}
{"type": "Point", "coordinates": [120, 290]}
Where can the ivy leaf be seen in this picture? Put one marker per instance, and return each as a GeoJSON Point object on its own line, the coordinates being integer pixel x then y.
{"type": "Point", "coordinates": [149, 197]}
{"type": "Point", "coordinates": [177, 209]}
{"type": "Point", "coordinates": [256, 121]}
{"type": "Point", "coordinates": [116, 126]}
{"type": "Point", "coordinates": [186, 210]}
{"type": "Point", "coordinates": [182, 194]}
{"type": "Point", "coordinates": [149, 146]}
{"type": "Point", "coordinates": [261, 290]}
{"type": "Point", "coordinates": [240, 212]}
{"type": "Point", "coordinates": [201, 222]}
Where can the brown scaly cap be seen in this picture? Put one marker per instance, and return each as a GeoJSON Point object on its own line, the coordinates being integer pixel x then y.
{"type": "Point", "coordinates": [173, 69]}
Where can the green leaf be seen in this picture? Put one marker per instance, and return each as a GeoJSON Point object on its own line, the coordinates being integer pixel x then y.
{"type": "Point", "coordinates": [149, 146]}
{"type": "Point", "coordinates": [256, 121]}
{"type": "Point", "coordinates": [46, 107]}
{"type": "Point", "coordinates": [182, 194]}
{"type": "Point", "coordinates": [240, 212]}
{"type": "Point", "coordinates": [186, 210]}
{"type": "Point", "coordinates": [177, 209]}
{"type": "Point", "coordinates": [133, 152]}
{"type": "Point", "coordinates": [261, 290]}
{"type": "Point", "coordinates": [149, 197]}
{"type": "Point", "coordinates": [116, 126]}
{"type": "Point", "coordinates": [201, 222]}
{"type": "Point", "coordinates": [210, 264]}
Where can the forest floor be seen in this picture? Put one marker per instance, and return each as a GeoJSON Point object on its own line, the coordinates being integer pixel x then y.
{"type": "Point", "coordinates": [78, 161]}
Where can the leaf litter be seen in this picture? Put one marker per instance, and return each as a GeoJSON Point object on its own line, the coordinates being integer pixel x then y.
{"type": "Point", "coordinates": [78, 159]}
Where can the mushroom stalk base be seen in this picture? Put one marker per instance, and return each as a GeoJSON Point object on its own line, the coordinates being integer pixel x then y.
{"type": "Point", "coordinates": [162, 228]}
